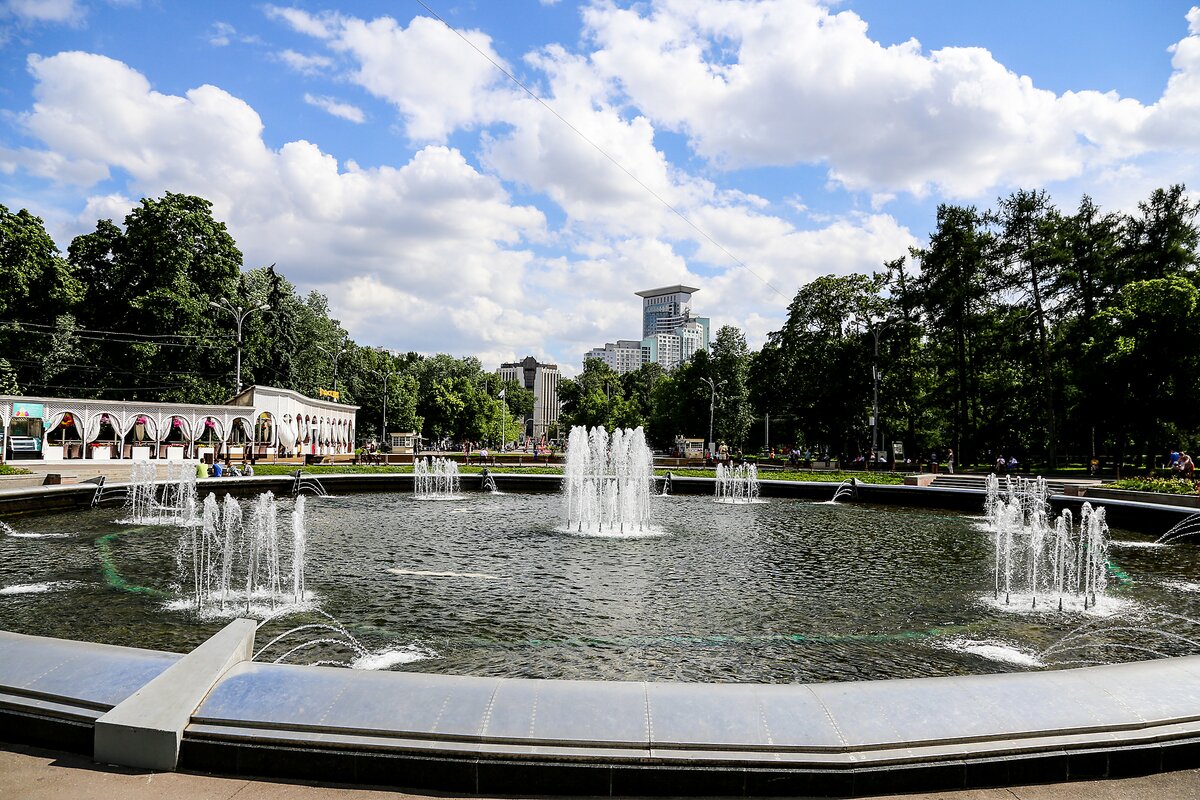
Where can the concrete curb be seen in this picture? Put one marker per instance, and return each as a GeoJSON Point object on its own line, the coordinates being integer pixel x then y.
{"type": "Point", "coordinates": [146, 728]}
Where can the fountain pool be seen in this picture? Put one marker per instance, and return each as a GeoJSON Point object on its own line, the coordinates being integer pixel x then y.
{"type": "Point", "coordinates": [784, 591]}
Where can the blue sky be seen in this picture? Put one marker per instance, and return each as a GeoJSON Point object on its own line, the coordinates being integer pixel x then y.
{"type": "Point", "coordinates": [378, 157]}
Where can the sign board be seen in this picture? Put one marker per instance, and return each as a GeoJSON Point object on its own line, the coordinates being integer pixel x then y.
{"type": "Point", "coordinates": [33, 410]}
{"type": "Point", "coordinates": [898, 449]}
{"type": "Point", "coordinates": [332, 395]}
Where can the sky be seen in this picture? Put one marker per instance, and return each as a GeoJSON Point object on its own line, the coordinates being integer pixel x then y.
{"type": "Point", "coordinates": [497, 179]}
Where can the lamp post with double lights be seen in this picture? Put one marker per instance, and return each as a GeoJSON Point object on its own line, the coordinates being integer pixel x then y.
{"type": "Point", "coordinates": [386, 375]}
{"type": "Point", "coordinates": [875, 327]}
{"type": "Point", "coordinates": [334, 354]}
{"type": "Point", "coordinates": [712, 404]}
{"type": "Point", "coordinates": [239, 315]}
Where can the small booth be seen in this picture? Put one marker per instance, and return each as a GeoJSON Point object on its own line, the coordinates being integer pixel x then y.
{"type": "Point", "coordinates": [404, 442]}
{"type": "Point", "coordinates": [239, 441]}
{"type": "Point", "coordinates": [26, 430]}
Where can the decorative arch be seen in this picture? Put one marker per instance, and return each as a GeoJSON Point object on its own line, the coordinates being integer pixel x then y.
{"type": "Point", "coordinates": [210, 430]}
{"type": "Point", "coordinates": [140, 429]}
{"type": "Point", "coordinates": [265, 426]}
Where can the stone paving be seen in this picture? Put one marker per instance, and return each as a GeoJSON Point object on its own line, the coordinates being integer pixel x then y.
{"type": "Point", "coordinates": [36, 774]}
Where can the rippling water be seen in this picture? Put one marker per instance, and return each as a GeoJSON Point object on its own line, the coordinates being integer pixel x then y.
{"type": "Point", "coordinates": [781, 591]}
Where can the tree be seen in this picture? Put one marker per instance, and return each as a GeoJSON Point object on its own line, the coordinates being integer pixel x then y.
{"type": "Point", "coordinates": [818, 364]}
{"type": "Point", "coordinates": [594, 398]}
{"type": "Point", "coordinates": [958, 279]}
{"type": "Point", "coordinates": [152, 284]}
{"type": "Point", "coordinates": [36, 285]}
{"type": "Point", "coordinates": [1144, 364]}
{"type": "Point", "coordinates": [1161, 240]}
{"type": "Point", "coordinates": [731, 364]}
{"type": "Point", "coordinates": [638, 389]}
{"type": "Point", "coordinates": [1029, 247]}
{"type": "Point", "coordinates": [8, 378]}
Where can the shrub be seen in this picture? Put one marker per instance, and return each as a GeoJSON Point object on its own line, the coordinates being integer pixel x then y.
{"type": "Point", "coordinates": [1160, 485]}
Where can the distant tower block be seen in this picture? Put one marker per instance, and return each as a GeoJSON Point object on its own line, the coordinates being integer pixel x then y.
{"type": "Point", "coordinates": [542, 380]}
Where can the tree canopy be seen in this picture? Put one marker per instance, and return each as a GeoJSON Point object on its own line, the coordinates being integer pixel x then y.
{"type": "Point", "coordinates": [1025, 329]}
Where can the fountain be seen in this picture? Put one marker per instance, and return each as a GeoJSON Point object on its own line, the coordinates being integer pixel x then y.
{"type": "Point", "coordinates": [308, 483]}
{"type": "Point", "coordinates": [737, 484]}
{"type": "Point", "coordinates": [238, 567]}
{"type": "Point", "coordinates": [435, 479]}
{"type": "Point", "coordinates": [172, 503]}
{"type": "Point", "coordinates": [607, 481]}
{"type": "Point", "coordinates": [1036, 556]}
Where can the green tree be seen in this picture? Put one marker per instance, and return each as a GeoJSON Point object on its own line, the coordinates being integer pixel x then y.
{"type": "Point", "coordinates": [730, 359]}
{"type": "Point", "coordinates": [958, 281]}
{"type": "Point", "coordinates": [1032, 254]}
{"type": "Point", "coordinates": [1143, 363]}
{"type": "Point", "coordinates": [1161, 240]}
{"type": "Point", "coordinates": [36, 285]}
{"type": "Point", "coordinates": [152, 283]}
{"type": "Point", "coordinates": [594, 398]}
{"type": "Point", "coordinates": [818, 364]}
{"type": "Point", "coordinates": [638, 390]}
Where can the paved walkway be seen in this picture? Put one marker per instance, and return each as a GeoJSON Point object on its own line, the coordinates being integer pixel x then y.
{"type": "Point", "coordinates": [28, 773]}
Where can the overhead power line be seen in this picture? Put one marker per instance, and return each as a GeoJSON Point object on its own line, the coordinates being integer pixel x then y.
{"type": "Point", "coordinates": [110, 338]}
{"type": "Point", "coordinates": [112, 333]}
{"type": "Point", "coordinates": [603, 152]}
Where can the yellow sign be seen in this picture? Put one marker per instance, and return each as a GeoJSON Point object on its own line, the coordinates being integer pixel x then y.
{"type": "Point", "coordinates": [335, 396]}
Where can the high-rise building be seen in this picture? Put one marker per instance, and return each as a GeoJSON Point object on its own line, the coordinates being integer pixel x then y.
{"type": "Point", "coordinates": [625, 355]}
{"type": "Point", "coordinates": [670, 333]}
{"type": "Point", "coordinates": [542, 380]}
{"type": "Point", "coordinates": [665, 309]}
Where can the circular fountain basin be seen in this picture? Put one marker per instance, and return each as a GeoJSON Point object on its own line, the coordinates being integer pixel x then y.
{"type": "Point", "coordinates": [782, 591]}
{"type": "Point", "coordinates": [788, 591]}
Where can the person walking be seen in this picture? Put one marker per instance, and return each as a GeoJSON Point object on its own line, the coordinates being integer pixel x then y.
{"type": "Point", "coordinates": [950, 461]}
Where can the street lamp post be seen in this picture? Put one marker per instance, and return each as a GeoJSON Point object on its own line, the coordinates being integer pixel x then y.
{"type": "Point", "coordinates": [712, 404]}
{"type": "Point", "coordinates": [386, 375]}
{"type": "Point", "coordinates": [334, 355]}
{"type": "Point", "coordinates": [503, 419]}
{"type": "Point", "coordinates": [239, 316]}
{"type": "Point", "coordinates": [876, 330]}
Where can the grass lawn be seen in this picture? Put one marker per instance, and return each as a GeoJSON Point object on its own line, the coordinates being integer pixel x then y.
{"type": "Point", "coordinates": [504, 469]}
{"type": "Point", "coordinates": [5, 469]}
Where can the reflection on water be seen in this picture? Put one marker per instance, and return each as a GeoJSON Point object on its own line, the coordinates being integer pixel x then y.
{"type": "Point", "coordinates": [782, 591]}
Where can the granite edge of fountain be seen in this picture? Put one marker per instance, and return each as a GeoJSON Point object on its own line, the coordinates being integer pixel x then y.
{"type": "Point", "coordinates": [298, 721]}
{"type": "Point", "coordinates": [1137, 747]}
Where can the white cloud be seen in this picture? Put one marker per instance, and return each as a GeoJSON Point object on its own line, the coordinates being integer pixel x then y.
{"type": "Point", "coordinates": [434, 78]}
{"type": "Point", "coordinates": [441, 241]}
{"type": "Point", "coordinates": [433, 228]}
{"type": "Point", "coordinates": [221, 33]}
{"type": "Point", "coordinates": [336, 108]}
{"type": "Point", "coordinates": [304, 63]}
{"type": "Point", "coordinates": [69, 12]}
{"type": "Point", "coordinates": [622, 235]}
{"type": "Point", "coordinates": [789, 81]}
{"type": "Point", "coordinates": [319, 25]}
